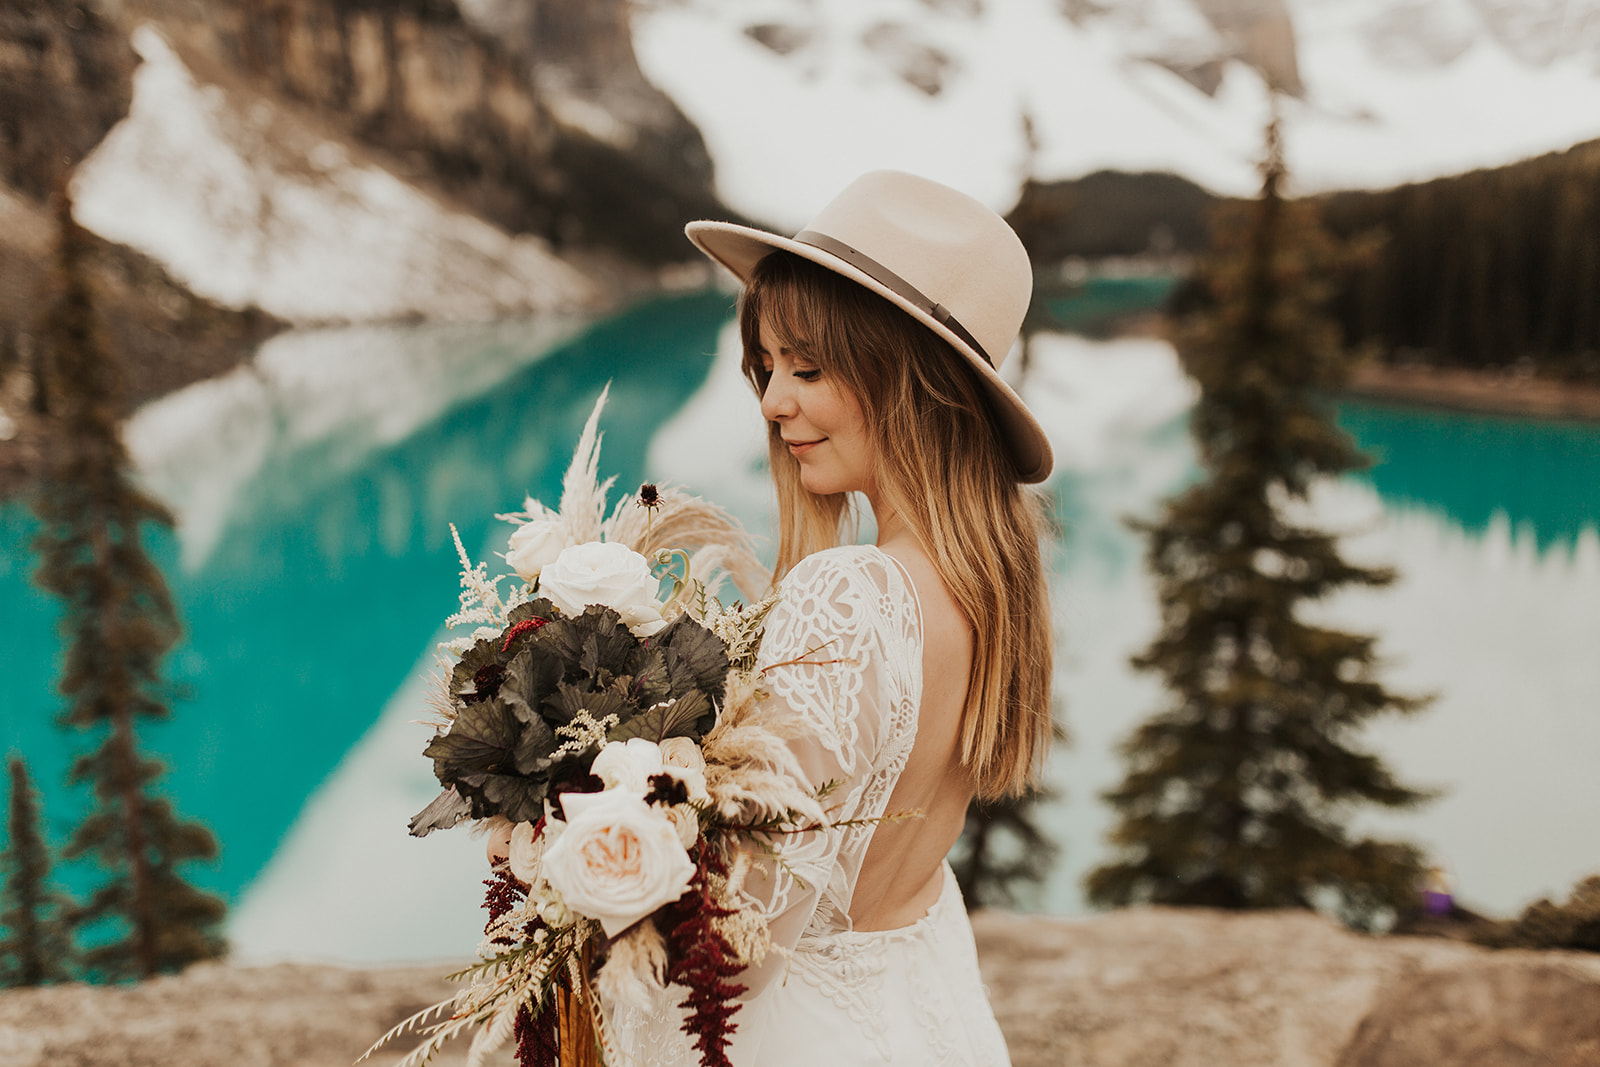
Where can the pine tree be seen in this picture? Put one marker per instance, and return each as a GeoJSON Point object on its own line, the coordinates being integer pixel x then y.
{"type": "Point", "coordinates": [1234, 794]}
{"type": "Point", "coordinates": [1003, 849]}
{"type": "Point", "coordinates": [37, 948]}
{"type": "Point", "coordinates": [120, 622]}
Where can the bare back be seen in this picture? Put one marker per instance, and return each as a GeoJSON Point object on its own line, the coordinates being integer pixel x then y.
{"type": "Point", "coordinates": [902, 873]}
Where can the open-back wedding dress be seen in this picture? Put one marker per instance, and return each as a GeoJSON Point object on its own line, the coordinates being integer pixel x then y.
{"type": "Point", "coordinates": [843, 655]}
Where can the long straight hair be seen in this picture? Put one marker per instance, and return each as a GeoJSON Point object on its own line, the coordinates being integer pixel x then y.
{"type": "Point", "coordinates": [940, 463]}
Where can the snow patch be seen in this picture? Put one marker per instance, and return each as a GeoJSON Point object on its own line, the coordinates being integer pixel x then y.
{"type": "Point", "coordinates": [250, 208]}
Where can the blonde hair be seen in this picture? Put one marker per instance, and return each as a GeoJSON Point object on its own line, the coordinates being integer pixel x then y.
{"type": "Point", "coordinates": [942, 466]}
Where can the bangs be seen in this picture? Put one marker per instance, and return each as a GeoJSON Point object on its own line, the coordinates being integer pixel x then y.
{"type": "Point", "coordinates": [799, 301]}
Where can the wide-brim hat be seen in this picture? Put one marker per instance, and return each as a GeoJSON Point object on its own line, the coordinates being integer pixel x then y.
{"type": "Point", "coordinates": [947, 260]}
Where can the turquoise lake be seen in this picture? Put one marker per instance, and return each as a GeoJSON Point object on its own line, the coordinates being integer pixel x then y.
{"type": "Point", "coordinates": [313, 566]}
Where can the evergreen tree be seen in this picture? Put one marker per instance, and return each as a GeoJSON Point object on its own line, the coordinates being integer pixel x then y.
{"type": "Point", "coordinates": [119, 622]}
{"type": "Point", "coordinates": [1234, 794]}
{"type": "Point", "coordinates": [37, 948]}
{"type": "Point", "coordinates": [1001, 850]}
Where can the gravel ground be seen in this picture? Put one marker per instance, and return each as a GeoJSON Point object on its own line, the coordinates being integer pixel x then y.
{"type": "Point", "coordinates": [1133, 988]}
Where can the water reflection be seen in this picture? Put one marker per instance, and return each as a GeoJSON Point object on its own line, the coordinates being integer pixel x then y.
{"type": "Point", "coordinates": [315, 589]}
{"type": "Point", "coordinates": [1541, 477]}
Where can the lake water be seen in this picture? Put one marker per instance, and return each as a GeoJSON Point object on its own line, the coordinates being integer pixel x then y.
{"type": "Point", "coordinates": [313, 566]}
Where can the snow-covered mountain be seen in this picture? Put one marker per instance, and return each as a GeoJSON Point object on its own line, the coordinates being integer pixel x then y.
{"type": "Point", "coordinates": [795, 97]}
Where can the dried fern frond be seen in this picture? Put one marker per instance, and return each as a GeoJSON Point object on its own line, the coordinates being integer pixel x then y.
{"type": "Point", "coordinates": [411, 1024]}
{"type": "Point", "coordinates": [494, 1034]}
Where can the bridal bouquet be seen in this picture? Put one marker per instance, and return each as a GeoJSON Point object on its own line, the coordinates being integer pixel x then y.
{"type": "Point", "coordinates": [616, 738]}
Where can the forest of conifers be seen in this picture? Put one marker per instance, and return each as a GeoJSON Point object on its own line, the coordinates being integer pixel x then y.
{"type": "Point", "coordinates": [1485, 269]}
{"type": "Point", "coordinates": [1493, 268]}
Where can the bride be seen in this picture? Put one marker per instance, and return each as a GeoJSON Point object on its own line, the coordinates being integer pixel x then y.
{"type": "Point", "coordinates": [915, 672]}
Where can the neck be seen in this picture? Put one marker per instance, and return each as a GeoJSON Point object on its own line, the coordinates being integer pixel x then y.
{"type": "Point", "coordinates": [891, 527]}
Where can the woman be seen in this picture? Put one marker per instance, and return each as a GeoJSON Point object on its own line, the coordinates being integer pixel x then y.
{"type": "Point", "coordinates": [915, 671]}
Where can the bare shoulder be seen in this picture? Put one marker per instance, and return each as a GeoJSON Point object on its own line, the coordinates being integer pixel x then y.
{"type": "Point", "coordinates": [944, 626]}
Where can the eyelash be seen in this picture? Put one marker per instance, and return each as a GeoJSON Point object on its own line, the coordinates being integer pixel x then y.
{"type": "Point", "coordinates": [808, 375]}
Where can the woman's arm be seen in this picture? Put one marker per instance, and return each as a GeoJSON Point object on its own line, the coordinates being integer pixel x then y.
{"type": "Point", "coordinates": [832, 688]}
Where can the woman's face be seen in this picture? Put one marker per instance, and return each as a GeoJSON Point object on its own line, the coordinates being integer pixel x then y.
{"type": "Point", "coordinates": [819, 419]}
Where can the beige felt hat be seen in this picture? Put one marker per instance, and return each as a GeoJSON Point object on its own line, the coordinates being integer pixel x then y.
{"type": "Point", "coordinates": [945, 258]}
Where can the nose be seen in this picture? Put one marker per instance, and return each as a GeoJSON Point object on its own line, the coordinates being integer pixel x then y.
{"type": "Point", "coordinates": [777, 399]}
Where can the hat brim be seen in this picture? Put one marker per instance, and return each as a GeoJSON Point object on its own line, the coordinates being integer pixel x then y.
{"type": "Point", "coordinates": [740, 248]}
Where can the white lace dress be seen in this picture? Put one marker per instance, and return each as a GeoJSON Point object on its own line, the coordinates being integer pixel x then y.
{"type": "Point", "coordinates": [846, 638]}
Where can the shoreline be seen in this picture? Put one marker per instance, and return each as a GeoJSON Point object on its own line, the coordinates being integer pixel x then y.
{"type": "Point", "coordinates": [1476, 392]}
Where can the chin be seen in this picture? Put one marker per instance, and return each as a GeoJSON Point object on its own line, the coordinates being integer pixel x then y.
{"type": "Point", "coordinates": [827, 483]}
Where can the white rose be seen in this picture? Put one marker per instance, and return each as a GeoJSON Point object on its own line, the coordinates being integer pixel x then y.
{"type": "Point", "coordinates": [618, 860]}
{"type": "Point", "coordinates": [627, 764]}
{"type": "Point", "coordinates": [609, 573]}
{"type": "Point", "coordinates": [525, 850]}
{"type": "Point", "coordinates": [535, 545]}
{"type": "Point", "coordinates": [682, 758]}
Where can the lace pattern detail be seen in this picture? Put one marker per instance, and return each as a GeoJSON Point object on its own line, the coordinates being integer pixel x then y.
{"type": "Point", "coordinates": [842, 654]}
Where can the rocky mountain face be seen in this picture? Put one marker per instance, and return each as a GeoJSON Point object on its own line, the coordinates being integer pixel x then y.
{"type": "Point", "coordinates": [66, 72]}
{"type": "Point", "coordinates": [461, 104]}
{"type": "Point", "coordinates": [69, 63]}
{"type": "Point", "coordinates": [251, 161]}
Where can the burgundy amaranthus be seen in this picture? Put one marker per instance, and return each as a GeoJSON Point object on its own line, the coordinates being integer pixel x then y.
{"type": "Point", "coordinates": [700, 958]}
{"type": "Point", "coordinates": [536, 1027]}
{"type": "Point", "coordinates": [505, 893]}
{"type": "Point", "coordinates": [537, 1045]}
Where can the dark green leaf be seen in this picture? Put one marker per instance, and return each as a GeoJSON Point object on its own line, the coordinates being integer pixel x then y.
{"type": "Point", "coordinates": [570, 699]}
{"type": "Point", "coordinates": [443, 812]}
{"type": "Point", "coordinates": [540, 608]}
{"type": "Point", "coordinates": [532, 755]}
{"type": "Point", "coordinates": [530, 680]}
{"type": "Point", "coordinates": [480, 740]}
{"type": "Point", "coordinates": [676, 719]}
{"type": "Point", "coordinates": [474, 659]}
{"type": "Point", "coordinates": [696, 657]}
{"type": "Point", "coordinates": [653, 683]}
{"type": "Point", "coordinates": [518, 799]}
{"type": "Point", "coordinates": [609, 647]}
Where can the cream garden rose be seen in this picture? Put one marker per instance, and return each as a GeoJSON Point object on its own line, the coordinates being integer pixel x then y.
{"type": "Point", "coordinates": [618, 859]}
{"type": "Point", "coordinates": [627, 764]}
{"type": "Point", "coordinates": [535, 545]}
{"type": "Point", "coordinates": [682, 758]}
{"type": "Point", "coordinates": [609, 573]}
{"type": "Point", "coordinates": [524, 852]}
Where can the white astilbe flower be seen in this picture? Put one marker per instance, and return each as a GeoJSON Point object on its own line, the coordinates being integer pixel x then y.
{"type": "Point", "coordinates": [480, 595]}
{"type": "Point", "coordinates": [582, 733]}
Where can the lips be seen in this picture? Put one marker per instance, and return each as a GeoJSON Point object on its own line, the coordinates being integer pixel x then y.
{"type": "Point", "coordinates": [800, 448]}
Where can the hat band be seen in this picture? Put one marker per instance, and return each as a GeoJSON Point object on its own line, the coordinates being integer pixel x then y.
{"type": "Point", "coordinates": [894, 283]}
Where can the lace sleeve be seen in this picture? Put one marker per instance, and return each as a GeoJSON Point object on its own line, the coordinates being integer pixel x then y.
{"type": "Point", "coordinates": [831, 659]}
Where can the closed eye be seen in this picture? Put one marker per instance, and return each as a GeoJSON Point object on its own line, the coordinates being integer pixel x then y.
{"type": "Point", "coordinates": [808, 375]}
